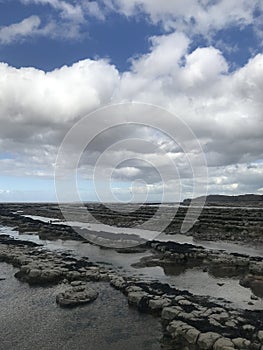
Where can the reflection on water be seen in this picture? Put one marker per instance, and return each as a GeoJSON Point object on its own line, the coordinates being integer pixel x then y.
{"type": "Point", "coordinates": [225, 271]}
{"type": "Point", "coordinates": [200, 282]}
{"type": "Point", "coordinates": [174, 270]}
{"type": "Point", "coordinates": [257, 290]}
{"type": "Point", "coordinates": [179, 238]}
{"type": "Point", "coordinates": [191, 278]}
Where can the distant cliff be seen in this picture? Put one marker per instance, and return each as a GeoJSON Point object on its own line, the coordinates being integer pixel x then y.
{"type": "Point", "coordinates": [217, 199]}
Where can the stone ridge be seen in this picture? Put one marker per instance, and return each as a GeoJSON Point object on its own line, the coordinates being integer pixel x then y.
{"type": "Point", "coordinates": [189, 322]}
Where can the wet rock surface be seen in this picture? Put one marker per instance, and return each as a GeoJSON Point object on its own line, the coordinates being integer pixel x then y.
{"type": "Point", "coordinates": [194, 322]}
{"type": "Point", "coordinates": [78, 294]}
{"type": "Point", "coordinates": [218, 221]}
{"type": "Point", "coordinates": [10, 215]}
{"type": "Point", "coordinates": [248, 269]}
{"type": "Point", "coordinates": [188, 320]}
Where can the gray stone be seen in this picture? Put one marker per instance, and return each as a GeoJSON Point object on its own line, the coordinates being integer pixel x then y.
{"type": "Point", "coordinates": [76, 283]}
{"type": "Point", "coordinates": [184, 302]}
{"type": "Point", "coordinates": [192, 335]}
{"type": "Point", "coordinates": [241, 343]}
{"type": "Point", "coordinates": [118, 282]}
{"type": "Point", "coordinates": [135, 297]}
{"type": "Point", "coordinates": [133, 289]}
{"type": "Point", "coordinates": [75, 296]}
{"type": "Point", "coordinates": [220, 317]}
{"type": "Point", "coordinates": [223, 343]}
{"type": "Point", "coordinates": [158, 304]}
{"type": "Point", "coordinates": [260, 336]}
{"type": "Point", "coordinates": [73, 275]}
{"type": "Point", "coordinates": [177, 327]}
{"type": "Point", "coordinates": [170, 313]}
{"type": "Point", "coordinates": [207, 340]}
{"type": "Point", "coordinates": [214, 322]}
{"type": "Point", "coordinates": [248, 327]}
{"type": "Point", "coordinates": [230, 324]}
{"type": "Point", "coordinates": [92, 275]}
{"type": "Point", "coordinates": [34, 273]}
{"type": "Point", "coordinates": [50, 275]}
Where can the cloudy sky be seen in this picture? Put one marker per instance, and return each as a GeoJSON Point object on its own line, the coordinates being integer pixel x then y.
{"type": "Point", "coordinates": [200, 61]}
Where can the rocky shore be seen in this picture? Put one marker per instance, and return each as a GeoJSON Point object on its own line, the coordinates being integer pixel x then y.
{"type": "Point", "coordinates": [226, 223]}
{"type": "Point", "coordinates": [189, 322]}
{"type": "Point", "coordinates": [217, 263]}
{"type": "Point", "coordinates": [24, 225]}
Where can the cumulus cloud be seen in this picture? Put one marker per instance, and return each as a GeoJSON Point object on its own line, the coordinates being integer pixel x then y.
{"type": "Point", "coordinates": [224, 109]}
{"type": "Point", "coordinates": [29, 95]}
{"type": "Point", "coordinates": [38, 108]}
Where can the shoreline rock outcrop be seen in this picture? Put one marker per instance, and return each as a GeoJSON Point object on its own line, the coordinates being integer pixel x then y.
{"type": "Point", "coordinates": [78, 294]}
{"type": "Point", "coordinates": [221, 222]}
{"type": "Point", "coordinates": [189, 321]}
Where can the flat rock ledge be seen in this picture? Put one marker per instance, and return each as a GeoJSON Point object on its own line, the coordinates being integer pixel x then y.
{"type": "Point", "coordinates": [77, 295]}
{"type": "Point", "coordinates": [189, 322]}
{"type": "Point", "coordinates": [218, 263]}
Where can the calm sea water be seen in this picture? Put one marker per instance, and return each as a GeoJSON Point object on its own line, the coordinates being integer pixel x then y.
{"type": "Point", "coordinates": [30, 319]}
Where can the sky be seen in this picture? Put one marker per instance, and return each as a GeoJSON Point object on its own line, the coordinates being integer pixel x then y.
{"type": "Point", "coordinates": [196, 63]}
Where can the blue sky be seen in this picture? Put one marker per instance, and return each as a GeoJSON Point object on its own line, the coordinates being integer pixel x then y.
{"type": "Point", "coordinates": [117, 38]}
{"type": "Point", "coordinates": [199, 59]}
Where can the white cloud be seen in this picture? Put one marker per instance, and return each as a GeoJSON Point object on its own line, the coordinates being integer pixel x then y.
{"type": "Point", "coordinates": [127, 172]}
{"type": "Point", "coordinates": [223, 108]}
{"type": "Point", "coordinates": [30, 95]}
{"type": "Point", "coordinates": [92, 8]}
{"type": "Point", "coordinates": [192, 16]}
{"type": "Point", "coordinates": [4, 191]}
{"type": "Point", "coordinates": [66, 9]}
{"type": "Point", "coordinates": [18, 31]}
{"type": "Point", "coordinates": [203, 67]}
{"type": "Point", "coordinates": [164, 58]}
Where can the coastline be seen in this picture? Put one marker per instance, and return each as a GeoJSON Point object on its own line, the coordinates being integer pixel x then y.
{"type": "Point", "coordinates": [178, 310]}
{"type": "Point", "coordinates": [184, 320]}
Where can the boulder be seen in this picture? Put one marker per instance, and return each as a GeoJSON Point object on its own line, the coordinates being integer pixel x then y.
{"type": "Point", "coordinates": [178, 328]}
{"type": "Point", "coordinates": [118, 282]}
{"type": "Point", "coordinates": [75, 296]}
{"type": "Point", "coordinates": [192, 335]}
{"type": "Point", "coordinates": [133, 289]}
{"type": "Point", "coordinates": [248, 328]}
{"type": "Point", "coordinates": [207, 340]}
{"type": "Point", "coordinates": [260, 336]}
{"type": "Point", "coordinates": [34, 273]}
{"type": "Point", "coordinates": [134, 298]}
{"type": "Point", "coordinates": [158, 304]}
{"type": "Point", "coordinates": [170, 313]}
{"type": "Point", "coordinates": [223, 343]}
{"type": "Point", "coordinates": [241, 343]}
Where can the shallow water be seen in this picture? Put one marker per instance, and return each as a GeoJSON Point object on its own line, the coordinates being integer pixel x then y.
{"type": "Point", "coordinates": [194, 280]}
{"type": "Point", "coordinates": [30, 319]}
{"type": "Point", "coordinates": [256, 250]}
